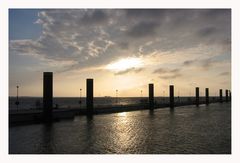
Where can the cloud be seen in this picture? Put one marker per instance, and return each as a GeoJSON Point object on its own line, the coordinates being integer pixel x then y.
{"type": "Point", "coordinates": [165, 73]}
{"type": "Point", "coordinates": [207, 31]}
{"type": "Point", "coordinates": [165, 70]}
{"type": "Point", "coordinates": [133, 69]}
{"type": "Point", "coordinates": [88, 38]}
{"type": "Point", "coordinates": [189, 62]}
{"type": "Point", "coordinates": [224, 74]}
{"type": "Point", "coordinates": [172, 76]}
{"type": "Point", "coordinates": [146, 13]}
{"type": "Point", "coordinates": [95, 17]}
{"type": "Point", "coordinates": [143, 29]}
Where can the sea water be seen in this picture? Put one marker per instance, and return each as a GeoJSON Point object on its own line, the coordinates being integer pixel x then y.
{"type": "Point", "coordinates": [186, 129]}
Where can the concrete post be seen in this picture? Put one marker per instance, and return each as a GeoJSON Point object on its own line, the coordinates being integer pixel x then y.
{"type": "Point", "coordinates": [47, 95]}
{"type": "Point", "coordinates": [207, 95]}
{"type": "Point", "coordinates": [171, 96]}
{"type": "Point", "coordinates": [226, 95]}
{"type": "Point", "coordinates": [151, 96]}
{"type": "Point", "coordinates": [230, 95]}
{"type": "Point", "coordinates": [197, 96]}
{"type": "Point", "coordinates": [220, 95]}
{"type": "Point", "coordinates": [89, 93]}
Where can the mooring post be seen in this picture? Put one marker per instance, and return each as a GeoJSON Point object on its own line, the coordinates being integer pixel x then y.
{"type": "Point", "coordinates": [89, 100]}
{"type": "Point", "coordinates": [230, 95]}
{"type": "Point", "coordinates": [220, 96]}
{"type": "Point", "coordinates": [226, 95]}
{"type": "Point", "coordinates": [207, 95]}
{"type": "Point", "coordinates": [197, 96]}
{"type": "Point", "coordinates": [151, 96]}
{"type": "Point", "coordinates": [171, 96]}
{"type": "Point", "coordinates": [47, 95]}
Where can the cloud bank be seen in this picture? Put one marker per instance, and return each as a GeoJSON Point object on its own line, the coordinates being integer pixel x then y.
{"type": "Point", "coordinates": [89, 38]}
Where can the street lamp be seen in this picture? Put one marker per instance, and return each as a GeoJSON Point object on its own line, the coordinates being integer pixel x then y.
{"type": "Point", "coordinates": [80, 98]}
{"type": "Point", "coordinates": [116, 96]}
{"type": "Point", "coordinates": [17, 101]}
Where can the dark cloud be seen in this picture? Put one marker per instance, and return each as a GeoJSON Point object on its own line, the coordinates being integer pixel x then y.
{"type": "Point", "coordinates": [206, 31]}
{"type": "Point", "coordinates": [133, 69]}
{"type": "Point", "coordinates": [165, 73]}
{"type": "Point", "coordinates": [224, 74]}
{"type": "Point", "coordinates": [161, 70]}
{"type": "Point", "coordinates": [207, 63]}
{"type": "Point", "coordinates": [143, 29]}
{"type": "Point", "coordinates": [124, 45]}
{"type": "Point", "coordinates": [171, 76]}
{"type": "Point", "coordinates": [189, 62]}
{"type": "Point", "coordinates": [165, 70]}
{"type": "Point", "coordinates": [217, 13]}
{"type": "Point", "coordinates": [147, 13]}
{"type": "Point", "coordinates": [174, 70]}
{"type": "Point", "coordinates": [95, 17]}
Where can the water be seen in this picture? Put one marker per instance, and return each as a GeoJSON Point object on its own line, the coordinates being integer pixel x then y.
{"type": "Point", "coordinates": [187, 129]}
{"type": "Point", "coordinates": [73, 102]}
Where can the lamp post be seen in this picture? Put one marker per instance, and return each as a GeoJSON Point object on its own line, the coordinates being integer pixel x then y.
{"type": "Point", "coordinates": [17, 102]}
{"type": "Point", "coordinates": [163, 96]}
{"type": "Point", "coordinates": [80, 98]}
{"type": "Point", "coordinates": [116, 96]}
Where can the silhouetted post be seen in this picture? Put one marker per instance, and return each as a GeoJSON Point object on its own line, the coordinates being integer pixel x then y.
{"type": "Point", "coordinates": [171, 96]}
{"type": "Point", "coordinates": [220, 95]}
{"type": "Point", "coordinates": [207, 95]}
{"type": "Point", "coordinates": [230, 95]}
{"type": "Point", "coordinates": [17, 101]}
{"type": "Point", "coordinates": [116, 96]}
{"type": "Point", "coordinates": [226, 95]}
{"type": "Point", "coordinates": [151, 95]}
{"type": "Point", "coordinates": [197, 96]}
{"type": "Point", "coordinates": [89, 100]}
{"type": "Point", "coordinates": [80, 98]}
{"type": "Point", "coordinates": [47, 95]}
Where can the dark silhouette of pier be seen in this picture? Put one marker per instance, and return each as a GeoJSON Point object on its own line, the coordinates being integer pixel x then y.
{"type": "Point", "coordinates": [171, 96]}
{"type": "Point", "coordinates": [47, 95]}
{"type": "Point", "coordinates": [89, 100]}
{"type": "Point", "coordinates": [151, 96]}
{"type": "Point", "coordinates": [220, 96]}
{"type": "Point", "coordinates": [226, 95]}
{"type": "Point", "coordinates": [207, 96]}
{"type": "Point", "coordinates": [49, 114]}
{"type": "Point", "coordinates": [197, 96]}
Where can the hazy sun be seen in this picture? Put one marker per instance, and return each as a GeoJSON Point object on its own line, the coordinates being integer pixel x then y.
{"type": "Point", "coordinates": [124, 64]}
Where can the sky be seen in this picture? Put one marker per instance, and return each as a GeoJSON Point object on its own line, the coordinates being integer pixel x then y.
{"type": "Point", "coordinates": [120, 49]}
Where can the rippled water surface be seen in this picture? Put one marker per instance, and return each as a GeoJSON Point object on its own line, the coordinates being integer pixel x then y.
{"type": "Point", "coordinates": [188, 129]}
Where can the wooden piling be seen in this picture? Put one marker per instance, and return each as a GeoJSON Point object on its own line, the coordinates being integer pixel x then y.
{"type": "Point", "coordinates": [47, 95]}
{"type": "Point", "coordinates": [151, 96]}
{"type": "Point", "coordinates": [89, 93]}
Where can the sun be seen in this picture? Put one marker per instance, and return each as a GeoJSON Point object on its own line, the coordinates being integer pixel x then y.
{"type": "Point", "coordinates": [124, 64]}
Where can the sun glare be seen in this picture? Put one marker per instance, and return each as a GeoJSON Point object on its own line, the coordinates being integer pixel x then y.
{"type": "Point", "coordinates": [122, 114]}
{"type": "Point", "coordinates": [124, 64]}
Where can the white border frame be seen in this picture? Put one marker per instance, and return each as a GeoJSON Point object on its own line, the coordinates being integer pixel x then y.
{"type": "Point", "coordinates": [6, 4]}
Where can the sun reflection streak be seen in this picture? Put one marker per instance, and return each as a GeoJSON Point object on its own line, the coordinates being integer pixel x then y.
{"type": "Point", "coordinates": [124, 139]}
{"type": "Point", "coordinates": [122, 114]}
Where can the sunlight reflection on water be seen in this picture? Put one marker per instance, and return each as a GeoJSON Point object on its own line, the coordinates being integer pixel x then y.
{"type": "Point", "coordinates": [184, 130]}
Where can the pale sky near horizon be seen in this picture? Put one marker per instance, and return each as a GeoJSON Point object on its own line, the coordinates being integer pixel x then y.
{"type": "Point", "coordinates": [121, 49]}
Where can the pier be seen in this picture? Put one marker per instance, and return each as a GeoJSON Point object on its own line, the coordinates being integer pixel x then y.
{"type": "Point", "coordinates": [48, 113]}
